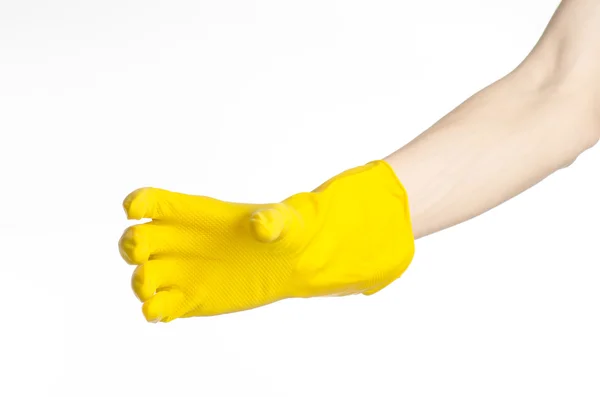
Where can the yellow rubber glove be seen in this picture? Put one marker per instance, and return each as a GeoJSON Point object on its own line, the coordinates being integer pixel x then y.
{"type": "Point", "coordinates": [200, 256]}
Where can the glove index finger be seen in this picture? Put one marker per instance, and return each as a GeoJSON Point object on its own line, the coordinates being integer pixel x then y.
{"type": "Point", "coordinates": [160, 204]}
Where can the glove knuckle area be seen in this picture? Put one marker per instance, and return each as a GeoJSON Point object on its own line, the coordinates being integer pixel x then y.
{"type": "Point", "coordinates": [135, 245]}
{"type": "Point", "coordinates": [165, 306]}
{"type": "Point", "coordinates": [152, 276]}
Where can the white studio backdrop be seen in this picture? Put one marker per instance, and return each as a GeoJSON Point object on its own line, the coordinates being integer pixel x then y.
{"type": "Point", "coordinates": [253, 101]}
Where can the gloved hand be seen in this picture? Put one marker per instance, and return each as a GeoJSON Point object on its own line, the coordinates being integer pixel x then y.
{"type": "Point", "coordinates": [200, 256]}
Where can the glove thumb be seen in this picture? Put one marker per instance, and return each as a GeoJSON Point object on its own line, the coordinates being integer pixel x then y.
{"type": "Point", "coordinates": [277, 222]}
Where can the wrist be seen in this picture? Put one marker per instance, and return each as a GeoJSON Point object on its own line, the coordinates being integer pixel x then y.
{"type": "Point", "coordinates": [361, 237]}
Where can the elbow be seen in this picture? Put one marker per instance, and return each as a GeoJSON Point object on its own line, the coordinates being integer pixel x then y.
{"type": "Point", "coordinates": [582, 144]}
{"type": "Point", "coordinates": [589, 141]}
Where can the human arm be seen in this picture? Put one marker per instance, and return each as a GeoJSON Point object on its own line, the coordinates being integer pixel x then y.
{"type": "Point", "coordinates": [513, 133]}
{"type": "Point", "coordinates": [200, 256]}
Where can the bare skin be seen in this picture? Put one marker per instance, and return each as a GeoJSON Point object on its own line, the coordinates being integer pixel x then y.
{"type": "Point", "coordinates": [512, 134]}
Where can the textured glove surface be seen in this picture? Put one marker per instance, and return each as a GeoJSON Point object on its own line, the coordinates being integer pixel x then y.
{"type": "Point", "coordinates": [200, 256]}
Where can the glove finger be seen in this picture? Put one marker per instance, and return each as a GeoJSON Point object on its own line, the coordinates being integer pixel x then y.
{"type": "Point", "coordinates": [164, 306]}
{"type": "Point", "coordinates": [267, 224]}
{"type": "Point", "coordinates": [150, 277]}
{"type": "Point", "coordinates": [142, 242]}
{"type": "Point", "coordinates": [160, 204]}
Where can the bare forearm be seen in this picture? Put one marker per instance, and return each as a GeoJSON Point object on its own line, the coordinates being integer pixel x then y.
{"type": "Point", "coordinates": [510, 135]}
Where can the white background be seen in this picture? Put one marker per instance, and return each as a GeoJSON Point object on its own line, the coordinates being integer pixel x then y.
{"type": "Point", "coordinates": [253, 101]}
